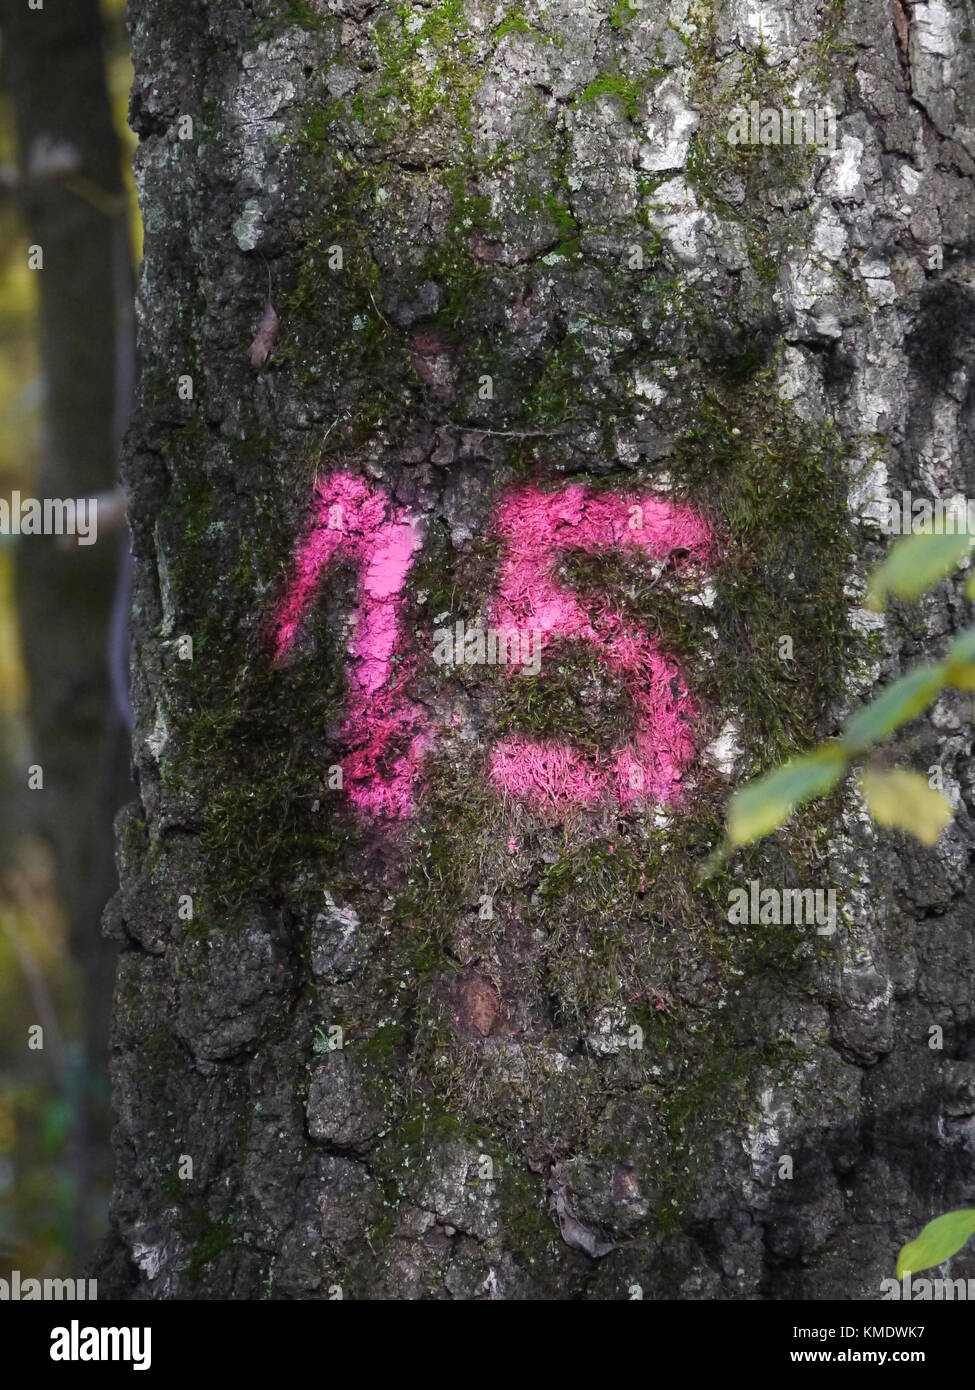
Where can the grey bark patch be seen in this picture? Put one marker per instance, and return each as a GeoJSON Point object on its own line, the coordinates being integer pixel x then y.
{"type": "Point", "coordinates": [336, 1202]}
{"type": "Point", "coordinates": [339, 1111]}
{"type": "Point", "coordinates": [574, 1233]}
{"type": "Point", "coordinates": [232, 986]}
{"type": "Point", "coordinates": [334, 938]}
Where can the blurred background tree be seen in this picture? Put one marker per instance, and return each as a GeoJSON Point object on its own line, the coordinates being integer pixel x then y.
{"type": "Point", "coordinates": [67, 364]}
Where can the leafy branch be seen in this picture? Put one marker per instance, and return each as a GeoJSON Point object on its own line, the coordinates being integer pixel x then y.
{"type": "Point", "coordinates": [896, 797]}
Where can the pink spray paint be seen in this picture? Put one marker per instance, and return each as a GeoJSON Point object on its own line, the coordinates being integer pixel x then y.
{"type": "Point", "coordinates": [383, 730]}
{"type": "Point", "coordinates": [386, 732]}
{"type": "Point", "coordinates": [535, 527]}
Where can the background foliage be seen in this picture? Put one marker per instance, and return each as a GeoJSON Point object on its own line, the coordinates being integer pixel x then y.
{"type": "Point", "coordinates": [39, 979]}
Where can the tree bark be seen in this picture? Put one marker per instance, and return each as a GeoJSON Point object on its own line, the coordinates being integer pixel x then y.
{"type": "Point", "coordinates": [483, 1031]}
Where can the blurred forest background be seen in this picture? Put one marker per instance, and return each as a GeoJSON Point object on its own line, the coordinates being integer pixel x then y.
{"type": "Point", "coordinates": [67, 365]}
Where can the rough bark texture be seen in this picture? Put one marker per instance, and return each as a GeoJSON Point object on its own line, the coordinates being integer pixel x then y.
{"type": "Point", "coordinates": [787, 347]}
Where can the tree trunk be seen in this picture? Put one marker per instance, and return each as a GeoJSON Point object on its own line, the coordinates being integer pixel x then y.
{"type": "Point", "coordinates": [461, 313]}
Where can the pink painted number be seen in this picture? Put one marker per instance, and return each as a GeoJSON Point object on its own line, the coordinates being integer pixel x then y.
{"type": "Point", "coordinates": [387, 733]}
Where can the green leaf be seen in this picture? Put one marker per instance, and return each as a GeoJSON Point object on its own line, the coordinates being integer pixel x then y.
{"type": "Point", "coordinates": [962, 677]}
{"type": "Point", "coordinates": [961, 661]}
{"type": "Point", "coordinates": [903, 800]}
{"type": "Point", "coordinates": [762, 806]}
{"type": "Point", "coordinates": [914, 564]}
{"type": "Point", "coordinates": [970, 588]}
{"type": "Point", "coordinates": [899, 704]}
{"type": "Point", "coordinates": [962, 648]}
{"type": "Point", "coordinates": [940, 1239]}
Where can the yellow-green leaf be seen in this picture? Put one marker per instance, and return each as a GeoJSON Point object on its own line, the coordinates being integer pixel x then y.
{"type": "Point", "coordinates": [763, 805]}
{"type": "Point", "coordinates": [914, 564]}
{"type": "Point", "coordinates": [963, 647]}
{"type": "Point", "coordinates": [970, 588]}
{"type": "Point", "coordinates": [962, 676]}
{"type": "Point", "coordinates": [903, 800]}
{"type": "Point", "coordinates": [940, 1239]}
{"type": "Point", "coordinates": [899, 703]}
{"type": "Point", "coordinates": [960, 661]}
